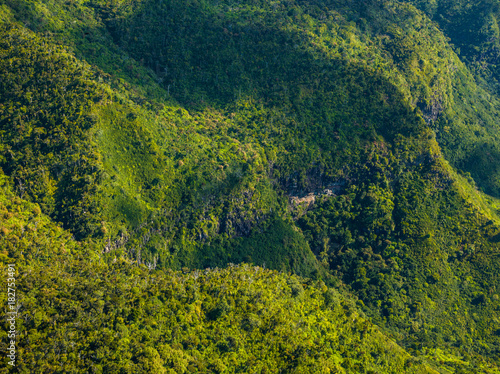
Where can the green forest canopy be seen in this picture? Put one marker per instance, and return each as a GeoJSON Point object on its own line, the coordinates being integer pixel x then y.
{"type": "Point", "coordinates": [347, 142]}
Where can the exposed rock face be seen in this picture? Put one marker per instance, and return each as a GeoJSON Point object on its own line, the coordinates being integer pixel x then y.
{"type": "Point", "coordinates": [432, 110]}
{"type": "Point", "coordinates": [309, 199]}
{"type": "Point", "coordinates": [333, 189]}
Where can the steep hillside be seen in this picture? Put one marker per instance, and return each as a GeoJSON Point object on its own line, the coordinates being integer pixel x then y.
{"type": "Point", "coordinates": [82, 315]}
{"type": "Point", "coordinates": [472, 28]}
{"type": "Point", "coordinates": [341, 141]}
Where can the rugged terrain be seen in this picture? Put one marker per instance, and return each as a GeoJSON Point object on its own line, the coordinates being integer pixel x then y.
{"type": "Point", "coordinates": [223, 186]}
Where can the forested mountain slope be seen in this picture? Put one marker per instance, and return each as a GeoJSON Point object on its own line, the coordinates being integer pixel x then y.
{"type": "Point", "coordinates": [80, 314]}
{"type": "Point", "coordinates": [344, 141]}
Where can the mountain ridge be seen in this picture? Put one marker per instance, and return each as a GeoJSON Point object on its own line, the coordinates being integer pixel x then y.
{"type": "Point", "coordinates": [184, 141]}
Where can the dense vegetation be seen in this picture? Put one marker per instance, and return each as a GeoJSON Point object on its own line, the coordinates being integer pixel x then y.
{"type": "Point", "coordinates": [83, 315]}
{"type": "Point", "coordinates": [346, 142]}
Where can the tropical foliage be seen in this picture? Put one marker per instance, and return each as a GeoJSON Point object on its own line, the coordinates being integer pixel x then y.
{"type": "Point", "coordinates": [145, 143]}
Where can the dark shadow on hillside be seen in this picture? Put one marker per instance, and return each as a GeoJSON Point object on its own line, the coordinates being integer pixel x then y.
{"type": "Point", "coordinates": [483, 163]}
{"type": "Point", "coordinates": [214, 56]}
{"type": "Point", "coordinates": [495, 238]}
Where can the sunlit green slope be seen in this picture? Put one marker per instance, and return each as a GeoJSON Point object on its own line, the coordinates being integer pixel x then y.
{"type": "Point", "coordinates": [342, 141]}
{"type": "Point", "coordinates": [79, 314]}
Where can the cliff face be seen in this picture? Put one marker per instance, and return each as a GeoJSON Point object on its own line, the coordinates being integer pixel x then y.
{"type": "Point", "coordinates": [347, 142]}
